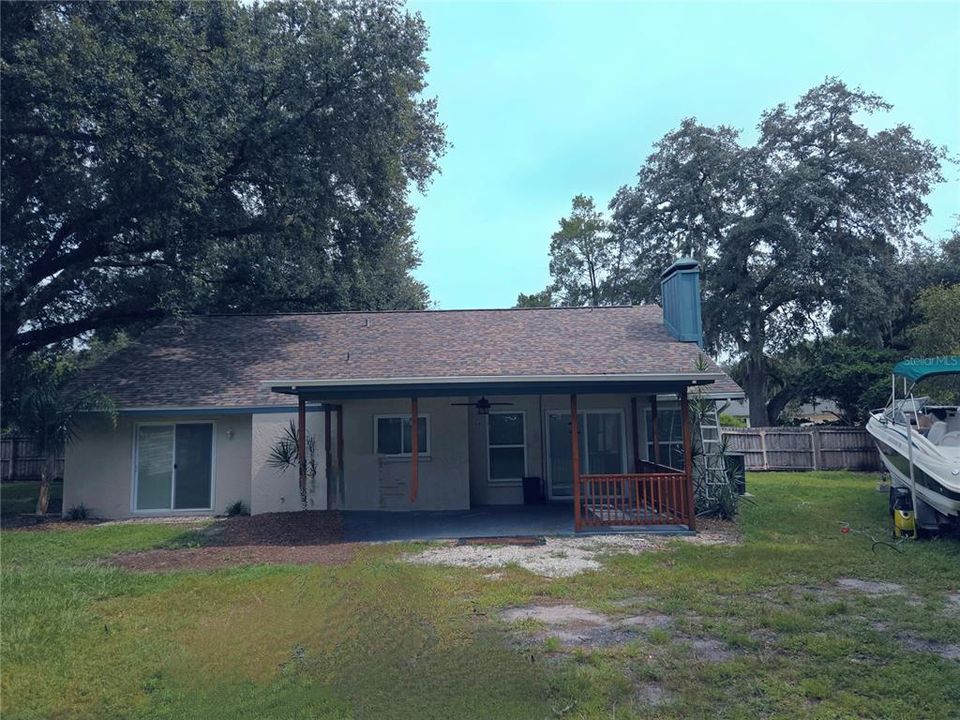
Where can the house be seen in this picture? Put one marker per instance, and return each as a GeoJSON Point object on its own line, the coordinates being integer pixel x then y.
{"type": "Point", "coordinates": [427, 410]}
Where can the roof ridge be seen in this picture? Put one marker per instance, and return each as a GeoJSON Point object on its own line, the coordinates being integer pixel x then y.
{"type": "Point", "coordinates": [418, 312]}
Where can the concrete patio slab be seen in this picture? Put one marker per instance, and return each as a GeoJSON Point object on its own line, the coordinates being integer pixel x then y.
{"type": "Point", "coordinates": [554, 520]}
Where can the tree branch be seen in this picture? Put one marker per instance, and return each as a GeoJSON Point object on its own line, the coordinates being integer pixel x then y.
{"type": "Point", "coordinates": [31, 340]}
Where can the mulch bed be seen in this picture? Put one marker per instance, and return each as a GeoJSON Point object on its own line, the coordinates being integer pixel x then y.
{"type": "Point", "coordinates": [32, 522]}
{"type": "Point", "coordinates": [309, 527]}
{"type": "Point", "coordinates": [213, 558]}
{"type": "Point", "coordinates": [296, 538]}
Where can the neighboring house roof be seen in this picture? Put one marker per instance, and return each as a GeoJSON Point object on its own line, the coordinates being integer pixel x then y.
{"type": "Point", "coordinates": [228, 360]}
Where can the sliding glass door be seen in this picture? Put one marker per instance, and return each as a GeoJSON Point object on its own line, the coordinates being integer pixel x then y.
{"type": "Point", "coordinates": [602, 447]}
{"type": "Point", "coordinates": [174, 467]}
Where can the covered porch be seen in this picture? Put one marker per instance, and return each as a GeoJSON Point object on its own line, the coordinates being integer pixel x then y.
{"type": "Point", "coordinates": [645, 492]}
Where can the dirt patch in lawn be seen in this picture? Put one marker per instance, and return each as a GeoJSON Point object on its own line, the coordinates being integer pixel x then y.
{"type": "Point", "coordinates": [574, 626]}
{"type": "Point", "coordinates": [710, 650]}
{"type": "Point", "coordinates": [652, 694]}
{"type": "Point", "coordinates": [212, 558]}
{"type": "Point", "coordinates": [870, 587]}
{"type": "Point", "coordinates": [948, 651]}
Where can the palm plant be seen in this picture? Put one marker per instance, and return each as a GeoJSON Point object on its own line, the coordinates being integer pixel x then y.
{"type": "Point", "coordinates": [49, 409]}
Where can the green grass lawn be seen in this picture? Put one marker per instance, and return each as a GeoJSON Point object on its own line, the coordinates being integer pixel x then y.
{"type": "Point", "coordinates": [381, 638]}
{"type": "Point", "coordinates": [21, 496]}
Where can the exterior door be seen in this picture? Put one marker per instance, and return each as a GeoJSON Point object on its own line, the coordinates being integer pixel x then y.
{"type": "Point", "coordinates": [602, 447]}
{"type": "Point", "coordinates": [174, 467]}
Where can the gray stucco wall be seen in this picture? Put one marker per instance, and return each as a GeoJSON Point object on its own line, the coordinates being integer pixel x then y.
{"type": "Point", "coordinates": [276, 490]}
{"type": "Point", "coordinates": [98, 466]}
{"type": "Point", "coordinates": [375, 482]}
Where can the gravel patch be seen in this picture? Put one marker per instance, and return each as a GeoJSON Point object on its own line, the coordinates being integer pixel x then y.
{"type": "Point", "coordinates": [565, 556]}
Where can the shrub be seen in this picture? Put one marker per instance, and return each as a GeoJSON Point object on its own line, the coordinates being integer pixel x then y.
{"type": "Point", "coordinates": [237, 508]}
{"type": "Point", "coordinates": [732, 421]}
{"type": "Point", "coordinates": [77, 512]}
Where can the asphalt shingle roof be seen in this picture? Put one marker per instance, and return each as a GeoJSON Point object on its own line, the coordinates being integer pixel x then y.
{"type": "Point", "coordinates": [223, 360]}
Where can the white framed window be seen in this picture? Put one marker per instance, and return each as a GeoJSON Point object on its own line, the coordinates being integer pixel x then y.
{"type": "Point", "coordinates": [173, 467]}
{"type": "Point", "coordinates": [392, 435]}
{"type": "Point", "coordinates": [506, 446]}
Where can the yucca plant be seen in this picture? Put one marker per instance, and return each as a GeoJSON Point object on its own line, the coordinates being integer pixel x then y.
{"type": "Point", "coordinates": [714, 495]}
{"type": "Point", "coordinates": [285, 454]}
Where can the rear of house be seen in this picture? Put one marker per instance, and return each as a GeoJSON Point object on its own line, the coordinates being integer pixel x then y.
{"type": "Point", "coordinates": [432, 410]}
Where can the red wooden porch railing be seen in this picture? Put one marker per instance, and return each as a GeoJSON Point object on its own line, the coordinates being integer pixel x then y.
{"type": "Point", "coordinates": [647, 498]}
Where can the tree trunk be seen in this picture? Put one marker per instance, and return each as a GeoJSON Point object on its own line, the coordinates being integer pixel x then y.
{"type": "Point", "coordinates": [46, 477]}
{"type": "Point", "coordinates": [756, 389]}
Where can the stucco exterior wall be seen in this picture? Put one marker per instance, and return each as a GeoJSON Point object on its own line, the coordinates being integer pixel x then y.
{"type": "Point", "coordinates": [375, 482]}
{"type": "Point", "coordinates": [276, 490]}
{"type": "Point", "coordinates": [454, 475]}
{"type": "Point", "coordinates": [98, 465]}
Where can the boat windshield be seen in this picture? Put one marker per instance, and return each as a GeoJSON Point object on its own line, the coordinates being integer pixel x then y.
{"type": "Point", "coordinates": [907, 409]}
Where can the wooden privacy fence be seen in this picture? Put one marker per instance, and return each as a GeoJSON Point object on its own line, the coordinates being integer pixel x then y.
{"type": "Point", "coordinates": [804, 448]}
{"type": "Point", "coordinates": [649, 498]}
{"type": "Point", "coordinates": [19, 459]}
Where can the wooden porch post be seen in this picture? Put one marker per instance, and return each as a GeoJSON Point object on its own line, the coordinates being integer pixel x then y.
{"type": "Point", "coordinates": [327, 462]}
{"type": "Point", "coordinates": [575, 452]}
{"type": "Point", "coordinates": [340, 490]}
{"type": "Point", "coordinates": [414, 450]}
{"type": "Point", "coordinates": [656, 429]}
{"type": "Point", "coordinates": [302, 442]}
{"type": "Point", "coordinates": [634, 418]}
{"type": "Point", "coordinates": [688, 459]}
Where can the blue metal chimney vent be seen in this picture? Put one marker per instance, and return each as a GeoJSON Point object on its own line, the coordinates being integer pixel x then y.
{"type": "Point", "coordinates": [680, 298]}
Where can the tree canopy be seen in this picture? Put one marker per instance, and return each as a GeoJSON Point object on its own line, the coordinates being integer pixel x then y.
{"type": "Point", "coordinates": [167, 158]}
{"type": "Point", "coordinates": [798, 234]}
{"type": "Point", "coordinates": [938, 333]}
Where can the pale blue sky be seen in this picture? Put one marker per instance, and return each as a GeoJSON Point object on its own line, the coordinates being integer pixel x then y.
{"type": "Point", "coordinates": [543, 101]}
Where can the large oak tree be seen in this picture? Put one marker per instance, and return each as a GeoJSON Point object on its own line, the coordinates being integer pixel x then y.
{"type": "Point", "coordinates": [177, 157]}
{"type": "Point", "coordinates": [799, 233]}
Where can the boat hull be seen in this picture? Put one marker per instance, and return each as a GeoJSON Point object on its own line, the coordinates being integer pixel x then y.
{"type": "Point", "coordinates": [937, 477]}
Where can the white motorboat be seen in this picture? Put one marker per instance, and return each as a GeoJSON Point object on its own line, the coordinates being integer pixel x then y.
{"type": "Point", "coordinates": [919, 443]}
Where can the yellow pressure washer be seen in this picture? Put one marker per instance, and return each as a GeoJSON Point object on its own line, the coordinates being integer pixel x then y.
{"type": "Point", "coordinates": [904, 518]}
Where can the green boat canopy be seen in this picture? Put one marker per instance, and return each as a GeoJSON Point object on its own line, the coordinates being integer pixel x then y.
{"type": "Point", "coordinates": [920, 368]}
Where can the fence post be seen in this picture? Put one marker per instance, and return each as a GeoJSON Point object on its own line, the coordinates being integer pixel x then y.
{"type": "Point", "coordinates": [11, 468]}
{"type": "Point", "coordinates": [763, 448]}
{"type": "Point", "coordinates": [815, 444]}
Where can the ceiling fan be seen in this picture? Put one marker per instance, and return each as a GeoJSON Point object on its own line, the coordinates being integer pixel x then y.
{"type": "Point", "coordinates": [482, 405]}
